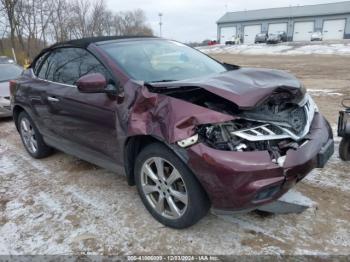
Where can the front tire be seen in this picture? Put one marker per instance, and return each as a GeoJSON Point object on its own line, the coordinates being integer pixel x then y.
{"type": "Point", "coordinates": [168, 189]}
{"type": "Point", "coordinates": [344, 149]}
{"type": "Point", "coordinates": [31, 137]}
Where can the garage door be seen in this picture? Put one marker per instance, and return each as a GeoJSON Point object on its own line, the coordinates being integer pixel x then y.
{"type": "Point", "coordinates": [227, 34]}
{"type": "Point", "coordinates": [303, 31]}
{"type": "Point", "coordinates": [250, 32]}
{"type": "Point", "coordinates": [333, 29]}
{"type": "Point", "coordinates": [273, 28]}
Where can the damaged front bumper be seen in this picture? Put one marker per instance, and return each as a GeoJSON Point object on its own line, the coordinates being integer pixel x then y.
{"type": "Point", "coordinates": [237, 181]}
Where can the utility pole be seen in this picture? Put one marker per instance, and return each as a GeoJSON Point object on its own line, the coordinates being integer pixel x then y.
{"type": "Point", "coordinates": [160, 24]}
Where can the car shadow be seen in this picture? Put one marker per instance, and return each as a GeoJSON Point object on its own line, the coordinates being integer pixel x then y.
{"type": "Point", "coordinates": [6, 119]}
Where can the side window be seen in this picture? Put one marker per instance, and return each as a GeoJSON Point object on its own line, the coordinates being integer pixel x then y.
{"type": "Point", "coordinates": [48, 66]}
{"type": "Point", "coordinates": [67, 65]}
{"type": "Point", "coordinates": [39, 63]}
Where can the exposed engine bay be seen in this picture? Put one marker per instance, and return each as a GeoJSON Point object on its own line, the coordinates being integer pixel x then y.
{"type": "Point", "coordinates": [275, 126]}
{"type": "Point", "coordinates": [224, 137]}
{"type": "Point", "coordinates": [278, 124]}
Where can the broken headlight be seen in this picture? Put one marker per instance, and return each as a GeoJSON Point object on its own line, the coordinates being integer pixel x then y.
{"type": "Point", "coordinates": [247, 136]}
{"type": "Point", "coordinates": [224, 137]}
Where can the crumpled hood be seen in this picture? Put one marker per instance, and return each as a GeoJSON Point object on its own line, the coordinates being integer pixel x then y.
{"type": "Point", "coordinates": [245, 87]}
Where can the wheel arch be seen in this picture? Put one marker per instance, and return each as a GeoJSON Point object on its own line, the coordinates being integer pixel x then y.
{"type": "Point", "coordinates": [16, 111]}
{"type": "Point", "coordinates": [135, 144]}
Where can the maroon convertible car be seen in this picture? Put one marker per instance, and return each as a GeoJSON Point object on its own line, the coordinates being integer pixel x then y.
{"type": "Point", "coordinates": [190, 132]}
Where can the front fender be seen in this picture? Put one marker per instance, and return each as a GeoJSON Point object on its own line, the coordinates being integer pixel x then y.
{"type": "Point", "coordinates": [169, 118]}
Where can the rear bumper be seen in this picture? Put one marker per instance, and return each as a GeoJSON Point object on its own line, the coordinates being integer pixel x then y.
{"type": "Point", "coordinates": [5, 108]}
{"type": "Point", "coordinates": [237, 181]}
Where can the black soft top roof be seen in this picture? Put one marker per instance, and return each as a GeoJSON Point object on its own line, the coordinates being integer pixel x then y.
{"type": "Point", "coordinates": [85, 42]}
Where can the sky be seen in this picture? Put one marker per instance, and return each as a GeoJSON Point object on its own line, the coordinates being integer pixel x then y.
{"type": "Point", "coordinates": [195, 20]}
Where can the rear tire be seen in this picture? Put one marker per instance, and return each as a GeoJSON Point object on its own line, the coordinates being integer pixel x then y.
{"type": "Point", "coordinates": [344, 149]}
{"type": "Point", "coordinates": [173, 196]}
{"type": "Point", "coordinates": [31, 137]}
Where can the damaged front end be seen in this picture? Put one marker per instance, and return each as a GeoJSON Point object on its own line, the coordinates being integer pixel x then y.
{"type": "Point", "coordinates": [247, 138]}
{"type": "Point", "coordinates": [276, 126]}
{"type": "Point", "coordinates": [261, 153]}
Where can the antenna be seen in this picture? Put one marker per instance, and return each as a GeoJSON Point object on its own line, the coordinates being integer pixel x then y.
{"type": "Point", "coordinates": [160, 24]}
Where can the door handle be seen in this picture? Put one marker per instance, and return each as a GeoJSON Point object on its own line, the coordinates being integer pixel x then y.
{"type": "Point", "coordinates": [52, 99]}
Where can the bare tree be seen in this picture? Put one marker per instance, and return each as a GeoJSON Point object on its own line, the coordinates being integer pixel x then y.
{"type": "Point", "coordinates": [132, 23]}
{"type": "Point", "coordinates": [45, 10]}
{"type": "Point", "coordinates": [97, 19]}
{"type": "Point", "coordinates": [79, 21]}
{"type": "Point", "coordinates": [59, 21]}
{"type": "Point", "coordinates": [9, 9]}
{"type": "Point", "coordinates": [33, 24]}
{"type": "Point", "coordinates": [33, 18]}
{"type": "Point", "coordinates": [4, 26]}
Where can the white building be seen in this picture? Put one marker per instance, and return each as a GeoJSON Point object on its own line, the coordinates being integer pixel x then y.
{"type": "Point", "coordinates": [299, 22]}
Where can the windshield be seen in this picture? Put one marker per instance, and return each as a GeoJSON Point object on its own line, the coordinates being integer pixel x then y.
{"type": "Point", "coordinates": [160, 60]}
{"type": "Point", "coordinates": [9, 72]}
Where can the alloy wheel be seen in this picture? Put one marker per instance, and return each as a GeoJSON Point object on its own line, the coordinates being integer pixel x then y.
{"type": "Point", "coordinates": [164, 188]}
{"type": "Point", "coordinates": [28, 135]}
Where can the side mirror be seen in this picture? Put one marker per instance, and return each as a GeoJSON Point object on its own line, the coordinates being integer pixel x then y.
{"type": "Point", "coordinates": [92, 83]}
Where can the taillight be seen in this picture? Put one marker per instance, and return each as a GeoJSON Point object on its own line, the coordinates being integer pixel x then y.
{"type": "Point", "coordinates": [13, 85]}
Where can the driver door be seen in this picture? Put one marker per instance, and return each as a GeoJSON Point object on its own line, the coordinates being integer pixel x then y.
{"type": "Point", "coordinates": [78, 121]}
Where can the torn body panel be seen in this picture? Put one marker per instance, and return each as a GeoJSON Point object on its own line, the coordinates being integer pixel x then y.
{"type": "Point", "coordinates": [169, 118]}
{"type": "Point", "coordinates": [236, 177]}
{"type": "Point", "coordinates": [236, 173]}
{"type": "Point", "coordinates": [244, 180]}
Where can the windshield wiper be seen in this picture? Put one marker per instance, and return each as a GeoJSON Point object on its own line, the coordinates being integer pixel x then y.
{"type": "Point", "coordinates": [231, 67]}
{"type": "Point", "coordinates": [161, 81]}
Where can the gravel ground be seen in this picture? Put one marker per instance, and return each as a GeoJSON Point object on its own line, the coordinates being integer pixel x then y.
{"type": "Point", "coordinates": [62, 205]}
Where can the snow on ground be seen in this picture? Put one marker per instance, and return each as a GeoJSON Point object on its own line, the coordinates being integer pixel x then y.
{"type": "Point", "coordinates": [324, 92]}
{"type": "Point", "coordinates": [333, 176]}
{"type": "Point", "coordinates": [62, 205]}
{"type": "Point", "coordinates": [281, 49]}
